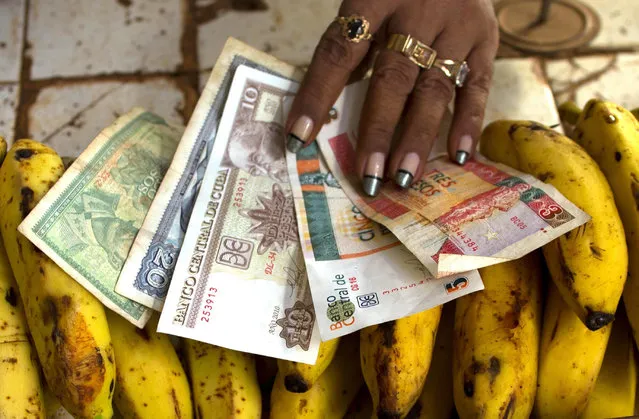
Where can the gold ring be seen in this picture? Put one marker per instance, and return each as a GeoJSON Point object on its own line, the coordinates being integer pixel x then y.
{"type": "Point", "coordinates": [355, 28]}
{"type": "Point", "coordinates": [418, 52]}
{"type": "Point", "coordinates": [454, 70]}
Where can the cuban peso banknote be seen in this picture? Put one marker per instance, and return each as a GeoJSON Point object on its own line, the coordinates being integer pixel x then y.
{"type": "Point", "coordinates": [90, 217]}
{"type": "Point", "coordinates": [240, 280]}
{"type": "Point", "coordinates": [359, 272]}
{"type": "Point", "coordinates": [149, 267]}
{"type": "Point", "coordinates": [454, 219]}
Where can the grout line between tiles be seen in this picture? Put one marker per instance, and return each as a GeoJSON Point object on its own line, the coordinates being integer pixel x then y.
{"type": "Point", "coordinates": [21, 124]}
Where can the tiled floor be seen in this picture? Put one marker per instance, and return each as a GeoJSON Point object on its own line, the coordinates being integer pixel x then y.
{"type": "Point", "coordinates": [68, 67]}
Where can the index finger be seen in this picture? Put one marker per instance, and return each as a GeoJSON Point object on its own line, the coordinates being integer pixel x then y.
{"type": "Point", "coordinates": [339, 51]}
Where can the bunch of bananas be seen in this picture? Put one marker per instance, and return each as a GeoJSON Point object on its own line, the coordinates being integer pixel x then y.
{"type": "Point", "coordinates": [551, 335]}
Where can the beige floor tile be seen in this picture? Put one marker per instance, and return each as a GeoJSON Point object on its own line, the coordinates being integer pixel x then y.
{"type": "Point", "coordinates": [85, 37]}
{"type": "Point", "coordinates": [619, 23]}
{"type": "Point", "coordinates": [8, 107]}
{"type": "Point", "coordinates": [520, 91]}
{"type": "Point", "coordinates": [68, 117]}
{"type": "Point", "coordinates": [11, 31]}
{"type": "Point", "coordinates": [288, 29]}
{"type": "Point", "coordinates": [613, 78]}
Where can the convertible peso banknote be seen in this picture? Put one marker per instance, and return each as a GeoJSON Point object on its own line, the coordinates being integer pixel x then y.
{"type": "Point", "coordinates": [146, 274]}
{"type": "Point", "coordinates": [240, 280]}
{"type": "Point", "coordinates": [359, 272]}
{"type": "Point", "coordinates": [454, 219]}
{"type": "Point", "coordinates": [88, 220]}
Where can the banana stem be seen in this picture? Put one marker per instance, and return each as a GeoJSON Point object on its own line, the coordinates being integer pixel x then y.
{"type": "Point", "coordinates": [569, 112]}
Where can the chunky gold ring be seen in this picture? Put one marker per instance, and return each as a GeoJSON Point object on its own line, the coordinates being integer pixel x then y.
{"type": "Point", "coordinates": [454, 70]}
{"type": "Point", "coordinates": [355, 28]}
{"type": "Point", "coordinates": [418, 52]}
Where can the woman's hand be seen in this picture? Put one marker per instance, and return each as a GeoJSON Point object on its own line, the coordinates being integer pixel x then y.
{"type": "Point", "coordinates": [400, 89]}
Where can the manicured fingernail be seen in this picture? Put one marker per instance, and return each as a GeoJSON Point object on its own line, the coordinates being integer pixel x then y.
{"type": "Point", "coordinates": [299, 133]}
{"type": "Point", "coordinates": [464, 149]}
{"type": "Point", "coordinates": [373, 174]}
{"type": "Point", "coordinates": [407, 169]}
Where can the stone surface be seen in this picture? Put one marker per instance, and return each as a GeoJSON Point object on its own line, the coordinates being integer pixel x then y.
{"type": "Point", "coordinates": [520, 91]}
{"type": "Point", "coordinates": [68, 117]}
{"type": "Point", "coordinates": [84, 37]}
{"type": "Point", "coordinates": [11, 37]}
{"type": "Point", "coordinates": [610, 77]}
{"type": "Point", "coordinates": [288, 29]}
{"type": "Point", "coordinates": [8, 108]}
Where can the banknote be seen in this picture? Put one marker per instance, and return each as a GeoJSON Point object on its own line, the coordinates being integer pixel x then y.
{"type": "Point", "coordinates": [454, 218]}
{"type": "Point", "coordinates": [359, 272]}
{"type": "Point", "coordinates": [240, 280]}
{"type": "Point", "coordinates": [88, 220]}
{"type": "Point", "coordinates": [148, 269]}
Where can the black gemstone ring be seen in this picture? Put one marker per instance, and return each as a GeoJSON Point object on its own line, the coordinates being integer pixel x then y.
{"type": "Point", "coordinates": [354, 28]}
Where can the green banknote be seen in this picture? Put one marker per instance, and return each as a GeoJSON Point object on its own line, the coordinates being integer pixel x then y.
{"type": "Point", "coordinates": [89, 219]}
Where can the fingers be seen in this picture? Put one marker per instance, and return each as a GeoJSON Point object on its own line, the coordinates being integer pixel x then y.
{"type": "Point", "coordinates": [429, 100]}
{"type": "Point", "coordinates": [392, 81]}
{"type": "Point", "coordinates": [334, 59]}
{"type": "Point", "coordinates": [470, 104]}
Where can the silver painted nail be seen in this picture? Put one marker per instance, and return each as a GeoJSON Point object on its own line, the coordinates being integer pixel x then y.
{"type": "Point", "coordinates": [461, 157]}
{"type": "Point", "coordinates": [403, 178]}
{"type": "Point", "coordinates": [294, 144]}
{"type": "Point", "coordinates": [371, 185]}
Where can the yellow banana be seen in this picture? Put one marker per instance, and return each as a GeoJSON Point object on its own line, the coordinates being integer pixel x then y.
{"type": "Point", "coordinates": [589, 264]}
{"type": "Point", "coordinates": [436, 400]}
{"type": "Point", "coordinates": [570, 358]}
{"type": "Point", "coordinates": [569, 112]}
{"type": "Point", "coordinates": [331, 394]}
{"type": "Point", "coordinates": [497, 334]}
{"type": "Point", "coordinates": [299, 377]}
{"type": "Point", "coordinates": [610, 134]}
{"type": "Point", "coordinates": [224, 382]}
{"type": "Point", "coordinates": [151, 382]}
{"type": "Point", "coordinates": [616, 387]}
{"type": "Point", "coordinates": [635, 112]}
{"type": "Point", "coordinates": [20, 388]}
{"type": "Point", "coordinates": [395, 360]}
{"type": "Point", "coordinates": [67, 323]}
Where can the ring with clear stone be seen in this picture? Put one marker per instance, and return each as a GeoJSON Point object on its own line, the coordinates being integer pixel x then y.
{"type": "Point", "coordinates": [457, 71]}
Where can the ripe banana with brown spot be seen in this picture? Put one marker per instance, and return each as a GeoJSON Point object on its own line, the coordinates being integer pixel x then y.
{"type": "Point", "coordinates": [331, 394]}
{"type": "Point", "coordinates": [224, 382]}
{"type": "Point", "coordinates": [299, 377]}
{"type": "Point", "coordinates": [610, 135]}
{"type": "Point", "coordinates": [589, 264]}
{"type": "Point", "coordinates": [497, 333]}
{"type": "Point", "coordinates": [151, 382]}
{"type": "Point", "coordinates": [570, 358]}
{"type": "Point", "coordinates": [436, 400]}
{"type": "Point", "coordinates": [395, 358]}
{"type": "Point", "coordinates": [68, 324]}
{"type": "Point", "coordinates": [20, 388]}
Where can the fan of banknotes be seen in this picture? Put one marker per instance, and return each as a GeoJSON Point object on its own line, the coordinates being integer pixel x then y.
{"type": "Point", "coordinates": [241, 244]}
